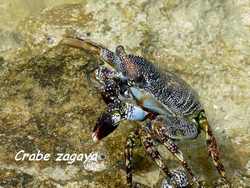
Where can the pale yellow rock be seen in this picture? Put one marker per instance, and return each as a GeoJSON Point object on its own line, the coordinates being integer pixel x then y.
{"type": "Point", "coordinates": [47, 103]}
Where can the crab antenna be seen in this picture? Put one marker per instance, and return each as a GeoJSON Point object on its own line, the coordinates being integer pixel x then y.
{"type": "Point", "coordinates": [84, 44]}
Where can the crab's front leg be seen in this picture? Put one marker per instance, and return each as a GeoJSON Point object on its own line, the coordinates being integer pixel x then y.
{"type": "Point", "coordinates": [117, 111]}
{"type": "Point", "coordinates": [109, 120]}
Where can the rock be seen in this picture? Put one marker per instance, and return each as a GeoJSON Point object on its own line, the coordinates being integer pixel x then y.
{"type": "Point", "coordinates": [95, 162]}
{"type": "Point", "coordinates": [47, 102]}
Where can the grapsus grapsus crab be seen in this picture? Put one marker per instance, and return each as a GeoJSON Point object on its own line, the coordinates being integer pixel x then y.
{"type": "Point", "coordinates": [134, 89]}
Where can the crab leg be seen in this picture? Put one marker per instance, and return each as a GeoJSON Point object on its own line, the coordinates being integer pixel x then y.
{"type": "Point", "coordinates": [130, 144]}
{"type": "Point", "coordinates": [213, 149]}
{"type": "Point", "coordinates": [92, 47]}
{"type": "Point", "coordinates": [171, 146]}
{"type": "Point", "coordinates": [177, 178]}
{"type": "Point", "coordinates": [83, 44]}
{"type": "Point", "coordinates": [147, 141]}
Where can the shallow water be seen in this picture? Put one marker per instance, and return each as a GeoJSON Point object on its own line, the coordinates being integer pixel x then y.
{"type": "Point", "coordinates": [47, 102]}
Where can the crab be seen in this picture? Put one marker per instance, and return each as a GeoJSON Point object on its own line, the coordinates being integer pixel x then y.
{"type": "Point", "coordinates": [135, 89]}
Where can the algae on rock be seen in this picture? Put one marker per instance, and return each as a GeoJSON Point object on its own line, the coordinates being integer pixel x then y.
{"type": "Point", "coordinates": [47, 102]}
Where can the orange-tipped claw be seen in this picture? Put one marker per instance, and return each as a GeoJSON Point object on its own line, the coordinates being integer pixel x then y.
{"type": "Point", "coordinates": [83, 44]}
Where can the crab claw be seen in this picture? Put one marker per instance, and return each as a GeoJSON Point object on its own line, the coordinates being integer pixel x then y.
{"type": "Point", "coordinates": [105, 125]}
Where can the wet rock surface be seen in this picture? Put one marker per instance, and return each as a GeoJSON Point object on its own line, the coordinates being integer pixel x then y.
{"type": "Point", "coordinates": [47, 102]}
